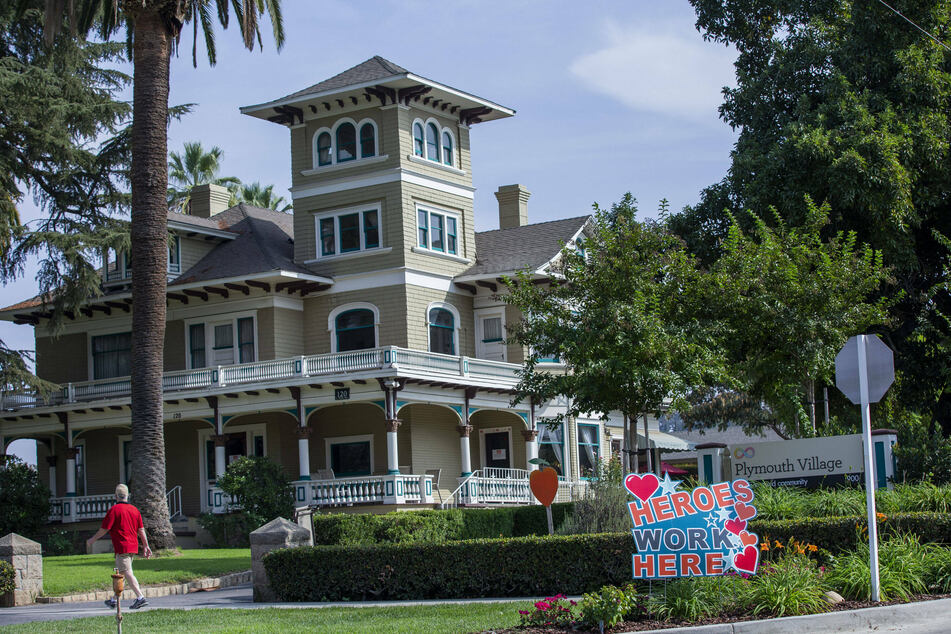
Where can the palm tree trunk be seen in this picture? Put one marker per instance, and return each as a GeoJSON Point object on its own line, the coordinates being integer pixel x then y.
{"type": "Point", "coordinates": [149, 176]}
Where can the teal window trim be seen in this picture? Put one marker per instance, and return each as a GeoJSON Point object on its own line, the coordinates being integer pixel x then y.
{"type": "Point", "coordinates": [451, 328]}
{"type": "Point", "coordinates": [557, 447]}
{"type": "Point", "coordinates": [437, 223]}
{"type": "Point", "coordinates": [328, 230]}
{"type": "Point", "coordinates": [451, 237]}
{"type": "Point", "coordinates": [350, 474]}
{"type": "Point", "coordinates": [419, 140]}
{"type": "Point", "coordinates": [331, 234]}
{"type": "Point", "coordinates": [371, 242]}
{"type": "Point", "coordinates": [348, 146]}
{"type": "Point", "coordinates": [447, 146]}
{"type": "Point", "coordinates": [324, 149]}
{"type": "Point", "coordinates": [367, 141]}
{"type": "Point", "coordinates": [437, 227]}
{"type": "Point", "coordinates": [422, 220]}
{"type": "Point", "coordinates": [338, 330]}
{"type": "Point", "coordinates": [432, 142]}
{"type": "Point", "coordinates": [596, 445]}
{"type": "Point", "coordinates": [349, 232]}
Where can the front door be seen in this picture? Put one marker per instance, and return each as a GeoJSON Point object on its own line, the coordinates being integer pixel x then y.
{"type": "Point", "coordinates": [497, 450]}
{"type": "Point", "coordinates": [490, 343]}
{"type": "Point", "coordinates": [236, 446]}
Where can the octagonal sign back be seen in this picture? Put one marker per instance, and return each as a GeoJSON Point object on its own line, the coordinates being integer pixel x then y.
{"type": "Point", "coordinates": [879, 363]}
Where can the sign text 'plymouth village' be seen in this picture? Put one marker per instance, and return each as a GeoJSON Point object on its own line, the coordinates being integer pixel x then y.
{"type": "Point", "coordinates": [695, 533]}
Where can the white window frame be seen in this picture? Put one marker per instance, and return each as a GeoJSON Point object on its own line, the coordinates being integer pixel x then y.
{"type": "Point", "coordinates": [210, 336]}
{"type": "Point", "coordinates": [484, 313]}
{"type": "Point", "coordinates": [341, 440]}
{"type": "Point", "coordinates": [204, 434]}
{"type": "Point", "coordinates": [441, 129]}
{"type": "Point", "coordinates": [176, 267]}
{"type": "Point", "coordinates": [90, 366]}
{"type": "Point", "coordinates": [332, 321]}
{"type": "Point", "coordinates": [455, 326]}
{"type": "Point", "coordinates": [439, 211]}
{"type": "Point", "coordinates": [335, 214]}
{"type": "Point", "coordinates": [123, 476]}
{"type": "Point", "coordinates": [332, 130]}
{"type": "Point", "coordinates": [81, 445]}
{"type": "Point", "coordinates": [494, 430]}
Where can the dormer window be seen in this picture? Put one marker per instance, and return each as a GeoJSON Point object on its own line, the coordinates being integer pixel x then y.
{"type": "Point", "coordinates": [433, 142]}
{"type": "Point", "coordinates": [342, 144]}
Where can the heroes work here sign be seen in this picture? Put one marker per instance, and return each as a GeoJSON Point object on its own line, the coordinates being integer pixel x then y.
{"type": "Point", "coordinates": [691, 533]}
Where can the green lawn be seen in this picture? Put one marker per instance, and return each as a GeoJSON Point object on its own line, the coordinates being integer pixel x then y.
{"type": "Point", "coordinates": [428, 619]}
{"type": "Point", "coordinates": [83, 573]}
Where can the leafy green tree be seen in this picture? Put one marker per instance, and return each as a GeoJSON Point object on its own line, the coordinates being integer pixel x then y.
{"type": "Point", "coordinates": [259, 196]}
{"type": "Point", "coordinates": [622, 316]}
{"type": "Point", "coordinates": [24, 499]}
{"type": "Point", "coordinates": [786, 301]}
{"type": "Point", "coordinates": [191, 168]}
{"type": "Point", "coordinates": [152, 28]}
{"type": "Point", "coordinates": [261, 487]}
{"type": "Point", "coordinates": [849, 103]}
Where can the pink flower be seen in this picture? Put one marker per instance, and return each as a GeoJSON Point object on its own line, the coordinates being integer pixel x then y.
{"type": "Point", "coordinates": [573, 602]}
{"type": "Point", "coordinates": [523, 611]}
{"type": "Point", "coordinates": [541, 605]}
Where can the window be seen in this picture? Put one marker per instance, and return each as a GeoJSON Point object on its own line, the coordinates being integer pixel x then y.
{"type": "Point", "coordinates": [175, 255]}
{"type": "Point", "coordinates": [350, 456]}
{"type": "Point", "coordinates": [492, 327]}
{"type": "Point", "coordinates": [346, 143]}
{"type": "Point", "coordinates": [551, 446]}
{"type": "Point", "coordinates": [355, 330]}
{"type": "Point", "coordinates": [433, 142]}
{"type": "Point", "coordinates": [589, 450]}
{"type": "Point", "coordinates": [442, 331]}
{"type": "Point", "coordinates": [80, 448]}
{"type": "Point", "coordinates": [341, 143]}
{"type": "Point", "coordinates": [437, 231]}
{"type": "Point", "coordinates": [125, 455]}
{"type": "Point", "coordinates": [447, 148]}
{"type": "Point", "coordinates": [222, 342]}
{"type": "Point", "coordinates": [111, 355]}
{"type": "Point", "coordinates": [348, 231]}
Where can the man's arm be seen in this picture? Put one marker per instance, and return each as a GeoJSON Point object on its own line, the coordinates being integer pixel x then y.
{"type": "Point", "coordinates": [92, 540]}
{"type": "Point", "coordinates": [145, 540]}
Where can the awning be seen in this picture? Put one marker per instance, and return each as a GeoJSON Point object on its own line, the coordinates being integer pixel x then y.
{"type": "Point", "coordinates": [660, 440]}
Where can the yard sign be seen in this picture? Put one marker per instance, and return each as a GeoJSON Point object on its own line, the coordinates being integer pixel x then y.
{"type": "Point", "coordinates": [692, 533]}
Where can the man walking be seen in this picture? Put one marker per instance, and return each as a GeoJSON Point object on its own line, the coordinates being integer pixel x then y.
{"type": "Point", "coordinates": [123, 522]}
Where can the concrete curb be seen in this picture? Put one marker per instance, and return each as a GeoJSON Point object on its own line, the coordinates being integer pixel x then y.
{"type": "Point", "coordinates": [904, 615]}
{"type": "Point", "coordinates": [162, 590]}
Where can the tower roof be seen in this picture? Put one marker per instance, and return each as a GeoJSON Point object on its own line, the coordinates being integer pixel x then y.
{"type": "Point", "coordinates": [377, 79]}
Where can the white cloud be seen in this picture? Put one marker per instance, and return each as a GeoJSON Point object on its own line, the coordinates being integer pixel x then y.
{"type": "Point", "coordinates": [659, 67]}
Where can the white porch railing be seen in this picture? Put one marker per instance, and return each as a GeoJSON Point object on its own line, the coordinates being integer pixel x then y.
{"type": "Point", "coordinates": [406, 361]}
{"type": "Point", "coordinates": [506, 486]}
{"type": "Point", "coordinates": [385, 489]}
{"type": "Point", "coordinates": [92, 507]}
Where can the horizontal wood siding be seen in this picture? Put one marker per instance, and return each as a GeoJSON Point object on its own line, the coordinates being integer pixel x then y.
{"type": "Point", "coordinates": [390, 301]}
{"type": "Point", "coordinates": [418, 300]}
{"type": "Point", "coordinates": [63, 359]}
{"type": "Point", "coordinates": [356, 419]}
{"type": "Point", "coordinates": [435, 442]}
{"type": "Point", "coordinates": [485, 419]}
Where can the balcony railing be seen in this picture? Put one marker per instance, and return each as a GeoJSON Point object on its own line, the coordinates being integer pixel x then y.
{"type": "Point", "coordinates": [506, 486]}
{"type": "Point", "coordinates": [406, 361]}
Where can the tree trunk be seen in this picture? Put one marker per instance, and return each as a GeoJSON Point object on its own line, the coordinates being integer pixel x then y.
{"type": "Point", "coordinates": [149, 176]}
{"type": "Point", "coordinates": [647, 444]}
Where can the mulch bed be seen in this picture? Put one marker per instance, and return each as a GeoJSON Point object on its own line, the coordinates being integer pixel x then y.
{"type": "Point", "coordinates": [637, 626]}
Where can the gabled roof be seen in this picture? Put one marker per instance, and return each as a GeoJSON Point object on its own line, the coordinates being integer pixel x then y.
{"type": "Point", "coordinates": [504, 251]}
{"type": "Point", "coordinates": [376, 79]}
{"type": "Point", "coordinates": [265, 242]}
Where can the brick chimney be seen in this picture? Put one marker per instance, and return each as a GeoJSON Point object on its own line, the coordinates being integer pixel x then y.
{"type": "Point", "coordinates": [208, 200]}
{"type": "Point", "coordinates": [513, 206]}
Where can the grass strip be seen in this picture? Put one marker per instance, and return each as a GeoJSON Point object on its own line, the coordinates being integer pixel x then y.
{"type": "Point", "coordinates": [85, 573]}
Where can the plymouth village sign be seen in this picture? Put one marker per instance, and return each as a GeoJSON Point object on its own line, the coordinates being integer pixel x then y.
{"type": "Point", "coordinates": [692, 533]}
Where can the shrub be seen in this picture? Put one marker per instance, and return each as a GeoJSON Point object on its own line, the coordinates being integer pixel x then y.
{"type": "Point", "coordinates": [553, 611]}
{"type": "Point", "coordinates": [837, 534]}
{"type": "Point", "coordinates": [923, 454]}
{"type": "Point", "coordinates": [687, 599]}
{"type": "Point", "coordinates": [938, 563]}
{"type": "Point", "coordinates": [789, 586]}
{"type": "Point", "coordinates": [903, 570]}
{"type": "Point", "coordinates": [609, 606]}
{"type": "Point", "coordinates": [603, 509]}
{"type": "Point", "coordinates": [541, 566]}
{"type": "Point", "coordinates": [261, 487]}
{"type": "Point", "coordinates": [7, 578]}
{"type": "Point", "coordinates": [24, 499]}
{"type": "Point", "coordinates": [60, 542]}
{"type": "Point", "coordinates": [228, 530]}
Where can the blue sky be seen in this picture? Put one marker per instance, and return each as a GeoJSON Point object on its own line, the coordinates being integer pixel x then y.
{"type": "Point", "coordinates": [611, 96]}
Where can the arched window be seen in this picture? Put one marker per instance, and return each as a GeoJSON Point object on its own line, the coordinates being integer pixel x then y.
{"type": "Point", "coordinates": [367, 140]}
{"type": "Point", "coordinates": [432, 142]}
{"type": "Point", "coordinates": [418, 139]}
{"type": "Point", "coordinates": [447, 148]}
{"type": "Point", "coordinates": [442, 330]}
{"type": "Point", "coordinates": [346, 143]}
{"type": "Point", "coordinates": [324, 156]}
{"type": "Point", "coordinates": [355, 330]}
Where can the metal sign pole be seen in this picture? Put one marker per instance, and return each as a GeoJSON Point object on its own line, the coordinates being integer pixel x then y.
{"type": "Point", "coordinates": [869, 473]}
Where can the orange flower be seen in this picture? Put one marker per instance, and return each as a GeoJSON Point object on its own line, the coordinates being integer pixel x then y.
{"type": "Point", "coordinates": [813, 548]}
{"type": "Point", "coordinates": [764, 546]}
{"type": "Point", "coordinates": [777, 544]}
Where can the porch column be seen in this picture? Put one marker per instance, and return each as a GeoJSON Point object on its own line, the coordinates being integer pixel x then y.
{"type": "Point", "coordinates": [464, 431]}
{"type": "Point", "coordinates": [392, 449]}
{"type": "Point", "coordinates": [71, 452]}
{"type": "Point", "coordinates": [303, 452]}
{"type": "Point", "coordinates": [51, 461]}
{"type": "Point", "coordinates": [531, 447]}
{"type": "Point", "coordinates": [220, 440]}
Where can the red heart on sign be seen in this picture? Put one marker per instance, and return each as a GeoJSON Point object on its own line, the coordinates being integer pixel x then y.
{"type": "Point", "coordinates": [643, 486]}
{"type": "Point", "coordinates": [735, 526]}
{"type": "Point", "coordinates": [747, 560]}
{"type": "Point", "coordinates": [744, 511]}
{"type": "Point", "coordinates": [544, 485]}
{"type": "Point", "coordinates": [748, 539]}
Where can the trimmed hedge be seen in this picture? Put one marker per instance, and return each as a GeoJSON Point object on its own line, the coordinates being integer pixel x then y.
{"type": "Point", "coordinates": [842, 533]}
{"type": "Point", "coordinates": [521, 566]}
{"type": "Point", "coordinates": [345, 529]}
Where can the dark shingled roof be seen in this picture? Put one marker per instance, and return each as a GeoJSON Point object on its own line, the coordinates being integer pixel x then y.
{"type": "Point", "coordinates": [265, 242]}
{"type": "Point", "coordinates": [373, 69]}
{"type": "Point", "coordinates": [208, 223]}
{"type": "Point", "coordinates": [526, 247]}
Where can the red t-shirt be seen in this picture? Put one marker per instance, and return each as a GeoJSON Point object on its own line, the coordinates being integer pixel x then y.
{"type": "Point", "coordinates": [123, 522]}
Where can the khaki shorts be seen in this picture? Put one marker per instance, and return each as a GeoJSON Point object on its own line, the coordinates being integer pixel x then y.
{"type": "Point", "coordinates": [124, 563]}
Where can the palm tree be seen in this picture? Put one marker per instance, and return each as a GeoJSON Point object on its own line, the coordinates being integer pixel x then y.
{"type": "Point", "coordinates": [194, 167]}
{"type": "Point", "coordinates": [259, 196]}
{"type": "Point", "coordinates": [152, 28]}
